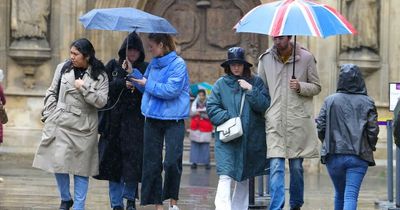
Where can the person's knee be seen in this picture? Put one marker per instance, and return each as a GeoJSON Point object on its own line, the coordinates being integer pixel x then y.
{"type": "Point", "coordinates": [277, 165]}
{"type": "Point", "coordinates": [296, 166]}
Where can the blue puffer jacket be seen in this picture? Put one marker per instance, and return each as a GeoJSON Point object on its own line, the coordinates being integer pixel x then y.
{"type": "Point", "coordinates": [166, 95]}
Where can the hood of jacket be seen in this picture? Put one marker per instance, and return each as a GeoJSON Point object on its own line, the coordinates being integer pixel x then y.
{"type": "Point", "coordinates": [351, 80]}
{"type": "Point", "coordinates": [134, 42]}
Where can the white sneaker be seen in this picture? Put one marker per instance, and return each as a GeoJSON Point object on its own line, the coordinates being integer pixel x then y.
{"type": "Point", "coordinates": [174, 207]}
{"type": "Point", "coordinates": [1, 180]}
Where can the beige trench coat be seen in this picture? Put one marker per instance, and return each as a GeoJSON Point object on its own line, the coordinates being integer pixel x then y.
{"type": "Point", "coordinates": [290, 127]}
{"type": "Point", "coordinates": [69, 138]}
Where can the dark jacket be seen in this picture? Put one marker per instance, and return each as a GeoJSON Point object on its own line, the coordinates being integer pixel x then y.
{"type": "Point", "coordinates": [121, 122]}
{"type": "Point", "coordinates": [347, 122]}
{"type": "Point", "coordinates": [244, 157]}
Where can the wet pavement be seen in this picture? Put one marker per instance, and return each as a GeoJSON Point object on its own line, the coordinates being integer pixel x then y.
{"type": "Point", "coordinates": [26, 188]}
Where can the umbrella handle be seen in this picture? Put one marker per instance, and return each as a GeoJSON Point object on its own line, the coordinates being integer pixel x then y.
{"type": "Point", "coordinates": [294, 58]}
{"type": "Point", "coordinates": [127, 45]}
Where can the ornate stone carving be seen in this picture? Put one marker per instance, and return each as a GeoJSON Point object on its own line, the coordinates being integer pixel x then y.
{"type": "Point", "coordinates": [364, 17]}
{"type": "Point", "coordinates": [219, 30]}
{"type": "Point", "coordinates": [29, 35]}
{"type": "Point", "coordinates": [187, 23]}
{"type": "Point", "coordinates": [363, 48]}
{"type": "Point", "coordinates": [205, 32]}
{"type": "Point", "coordinates": [29, 18]}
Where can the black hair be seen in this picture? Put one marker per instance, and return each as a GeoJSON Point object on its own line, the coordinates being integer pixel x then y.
{"type": "Point", "coordinates": [85, 47]}
{"type": "Point", "coordinates": [246, 71]}
{"type": "Point", "coordinates": [201, 91]}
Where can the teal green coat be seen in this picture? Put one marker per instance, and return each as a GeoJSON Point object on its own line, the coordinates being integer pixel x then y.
{"type": "Point", "coordinates": [244, 157]}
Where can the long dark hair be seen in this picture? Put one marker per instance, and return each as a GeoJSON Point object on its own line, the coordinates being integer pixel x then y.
{"type": "Point", "coordinates": [246, 71]}
{"type": "Point", "coordinates": [85, 47]}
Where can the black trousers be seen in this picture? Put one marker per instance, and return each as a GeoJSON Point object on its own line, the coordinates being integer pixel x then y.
{"type": "Point", "coordinates": [156, 131]}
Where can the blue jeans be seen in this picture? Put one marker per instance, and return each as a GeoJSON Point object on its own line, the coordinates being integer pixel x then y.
{"type": "Point", "coordinates": [120, 190]}
{"type": "Point", "coordinates": [277, 183]}
{"type": "Point", "coordinates": [81, 184]}
{"type": "Point", "coordinates": [347, 173]}
{"type": "Point", "coordinates": [153, 190]}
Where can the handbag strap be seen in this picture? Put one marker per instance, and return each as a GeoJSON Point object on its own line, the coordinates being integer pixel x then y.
{"type": "Point", "coordinates": [241, 104]}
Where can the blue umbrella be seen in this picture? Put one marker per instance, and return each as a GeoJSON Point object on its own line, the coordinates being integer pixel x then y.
{"type": "Point", "coordinates": [126, 19]}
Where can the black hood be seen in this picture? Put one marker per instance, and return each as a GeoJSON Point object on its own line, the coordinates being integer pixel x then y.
{"type": "Point", "coordinates": [134, 43]}
{"type": "Point", "coordinates": [351, 80]}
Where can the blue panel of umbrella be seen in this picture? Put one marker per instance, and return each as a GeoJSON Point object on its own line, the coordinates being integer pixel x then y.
{"type": "Point", "coordinates": [126, 19]}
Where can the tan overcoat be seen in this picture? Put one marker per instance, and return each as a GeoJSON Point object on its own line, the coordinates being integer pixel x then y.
{"type": "Point", "coordinates": [290, 126]}
{"type": "Point", "coordinates": [69, 138]}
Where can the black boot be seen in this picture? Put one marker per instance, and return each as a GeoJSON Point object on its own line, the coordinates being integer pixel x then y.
{"type": "Point", "coordinates": [118, 208]}
{"type": "Point", "coordinates": [296, 208]}
{"type": "Point", "coordinates": [66, 205]}
{"type": "Point", "coordinates": [130, 205]}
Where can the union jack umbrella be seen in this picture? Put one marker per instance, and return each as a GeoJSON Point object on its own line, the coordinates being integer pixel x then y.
{"type": "Point", "coordinates": [294, 17]}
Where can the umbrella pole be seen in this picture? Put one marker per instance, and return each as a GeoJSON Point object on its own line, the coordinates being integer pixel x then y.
{"type": "Point", "coordinates": [294, 57]}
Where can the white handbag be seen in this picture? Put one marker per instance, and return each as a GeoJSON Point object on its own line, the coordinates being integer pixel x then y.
{"type": "Point", "coordinates": [232, 128]}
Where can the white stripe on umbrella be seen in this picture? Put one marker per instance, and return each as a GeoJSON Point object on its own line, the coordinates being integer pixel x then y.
{"type": "Point", "coordinates": [308, 15]}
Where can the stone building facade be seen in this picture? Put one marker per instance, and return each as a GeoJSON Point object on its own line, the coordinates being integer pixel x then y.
{"type": "Point", "coordinates": [35, 37]}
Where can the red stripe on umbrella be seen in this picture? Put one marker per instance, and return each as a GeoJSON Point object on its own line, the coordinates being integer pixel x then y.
{"type": "Point", "coordinates": [280, 14]}
{"type": "Point", "coordinates": [310, 17]}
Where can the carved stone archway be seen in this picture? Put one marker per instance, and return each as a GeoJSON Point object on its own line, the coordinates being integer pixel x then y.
{"type": "Point", "coordinates": [205, 32]}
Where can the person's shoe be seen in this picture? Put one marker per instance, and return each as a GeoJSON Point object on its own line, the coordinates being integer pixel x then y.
{"type": "Point", "coordinates": [1, 180]}
{"type": "Point", "coordinates": [66, 205]}
{"type": "Point", "coordinates": [193, 166]}
{"type": "Point", "coordinates": [118, 208]}
{"type": "Point", "coordinates": [130, 205]}
{"type": "Point", "coordinates": [208, 167]}
{"type": "Point", "coordinates": [174, 207]}
{"type": "Point", "coordinates": [296, 208]}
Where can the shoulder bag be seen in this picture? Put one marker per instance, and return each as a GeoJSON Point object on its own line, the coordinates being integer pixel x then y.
{"type": "Point", "coordinates": [232, 128]}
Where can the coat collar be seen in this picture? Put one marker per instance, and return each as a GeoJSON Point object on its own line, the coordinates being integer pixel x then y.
{"type": "Point", "coordinates": [161, 62]}
{"type": "Point", "coordinates": [70, 75]}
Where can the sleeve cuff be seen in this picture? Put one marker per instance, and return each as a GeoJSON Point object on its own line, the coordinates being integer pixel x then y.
{"type": "Point", "coordinates": [84, 90]}
{"type": "Point", "coordinates": [149, 87]}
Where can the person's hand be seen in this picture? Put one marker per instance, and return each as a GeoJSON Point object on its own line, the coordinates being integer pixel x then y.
{"type": "Point", "coordinates": [128, 84]}
{"type": "Point", "coordinates": [78, 83]}
{"type": "Point", "coordinates": [141, 82]}
{"type": "Point", "coordinates": [127, 66]}
{"type": "Point", "coordinates": [294, 85]}
{"type": "Point", "coordinates": [244, 84]}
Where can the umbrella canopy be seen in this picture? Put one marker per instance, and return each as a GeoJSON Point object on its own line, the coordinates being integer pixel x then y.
{"type": "Point", "coordinates": [294, 17]}
{"type": "Point", "coordinates": [194, 88]}
{"type": "Point", "coordinates": [126, 19]}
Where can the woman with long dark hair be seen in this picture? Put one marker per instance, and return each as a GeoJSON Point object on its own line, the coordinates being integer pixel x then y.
{"type": "Point", "coordinates": [244, 157]}
{"type": "Point", "coordinates": [69, 140]}
{"type": "Point", "coordinates": [165, 105]}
